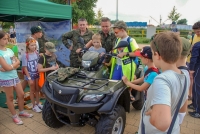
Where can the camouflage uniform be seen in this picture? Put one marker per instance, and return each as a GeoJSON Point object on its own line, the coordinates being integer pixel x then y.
{"type": "Point", "coordinates": [109, 41]}
{"type": "Point", "coordinates": [74, 35]}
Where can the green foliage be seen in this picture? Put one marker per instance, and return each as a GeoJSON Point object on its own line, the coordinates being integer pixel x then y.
{"type": "Point", "coordinates": [98, 16]}
{"type": "Point", "coordinates": [182, 21]}
{"type": "Point", "coordinates": [173, 15]}
{"type": "Point", "coordinates": [81, 9]}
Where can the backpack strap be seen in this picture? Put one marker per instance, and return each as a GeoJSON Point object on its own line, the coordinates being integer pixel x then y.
{"type": "Point", "coordinates": [152, 69]}
{"type": "Point", "coordinates": [192, 39]}
{"type": "Point", "coordinates": [183, 67]}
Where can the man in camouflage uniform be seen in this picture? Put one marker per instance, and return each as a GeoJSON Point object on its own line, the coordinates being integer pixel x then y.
{"type": "Point", "coordinates": [82, 31]}
{"type": "Point", "coordinates": [107, 36]}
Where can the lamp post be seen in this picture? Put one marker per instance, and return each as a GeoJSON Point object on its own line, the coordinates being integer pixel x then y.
{"type": "Point", "coordinates": [117, 10]}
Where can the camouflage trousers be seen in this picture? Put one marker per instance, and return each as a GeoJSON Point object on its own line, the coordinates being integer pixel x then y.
{"type": "Point", "coordinates": [75, 61]}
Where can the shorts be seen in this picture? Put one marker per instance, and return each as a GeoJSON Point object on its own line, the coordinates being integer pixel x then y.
{"type": "Point", "coordinates": [32, 78]}
{"type": "Point", "coordinates": [9, 83]}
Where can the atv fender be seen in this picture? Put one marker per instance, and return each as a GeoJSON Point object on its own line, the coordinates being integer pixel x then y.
{"type": "Point", "coordinates": [116, 98]}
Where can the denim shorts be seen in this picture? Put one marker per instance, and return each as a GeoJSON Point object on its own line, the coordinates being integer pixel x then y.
{"type": "Point", "coordinates": [9, 83]}
{"type": "Point", "coordinates": [32, 78]}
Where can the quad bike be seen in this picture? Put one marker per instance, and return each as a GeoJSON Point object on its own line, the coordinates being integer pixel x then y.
{"type": "Point", "coordinates": [87, 97]}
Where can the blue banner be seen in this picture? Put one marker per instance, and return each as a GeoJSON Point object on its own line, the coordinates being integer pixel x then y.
{"type": "Point", "coordinates": [52, 32]}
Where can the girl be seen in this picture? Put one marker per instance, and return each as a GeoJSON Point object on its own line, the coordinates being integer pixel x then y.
{"type": "Point", "coordinates": [9, 79]}
{"type": "Point", "coordinates": [29, 67]}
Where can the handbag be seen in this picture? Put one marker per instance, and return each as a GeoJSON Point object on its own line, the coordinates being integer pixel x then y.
{"type": "Point", "coordinates": [175, 114]}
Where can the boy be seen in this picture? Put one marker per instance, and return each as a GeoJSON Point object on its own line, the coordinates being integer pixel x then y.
{"type": "Point", "coordinates": [124, 64]}
{"type": "Point", "coordinates": [47, 62]}
{"type": "Point", "coordinates": [167, 88]}
{"type": "Point", "coordinates": [150, 72]}
{"type": "Point", "coordinates": [181, 64]}
{"type": "Point", "coordinates": [96, 41]}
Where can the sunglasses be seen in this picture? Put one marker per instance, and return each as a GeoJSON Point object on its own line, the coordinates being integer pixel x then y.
{"type": "Point", "coordinates": [116, 32]}
{"type": "Point", "coordinates": [152, 39]}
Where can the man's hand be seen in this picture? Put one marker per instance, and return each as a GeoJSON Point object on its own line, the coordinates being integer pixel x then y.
{"type": "Point", "coordinates": [70, 48]}
{"type": "Point", "coordinates": [125, 80]}
{"type": "Point", "coordinates": [78, 50]}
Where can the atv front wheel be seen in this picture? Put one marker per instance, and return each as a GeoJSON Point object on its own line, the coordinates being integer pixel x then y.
{"type": "Point", "coordinates": [139, 103]}
{"type": "Point", "coordinates": [113, 123]}
{"type": "Point", "coordinates": [49, 116]}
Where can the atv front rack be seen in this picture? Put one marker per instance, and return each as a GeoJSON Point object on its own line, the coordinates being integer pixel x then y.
{"type": "Point", "coordinates": [84, 82]}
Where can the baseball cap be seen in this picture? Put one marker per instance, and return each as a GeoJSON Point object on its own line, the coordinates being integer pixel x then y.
{"type": "Point", "coordinates": [186, 46]}
{"type": "Point", "coordinates": [145, 52]}
{"type": "Point", "coordinates": [35, 29]}
{"type": "Point", "coordinates": [50, 47]}
{"type": "Point", "coordinates": [120, 25]}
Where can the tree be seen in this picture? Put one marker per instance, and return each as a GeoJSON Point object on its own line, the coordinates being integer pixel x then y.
{"type": "Point", "coordinates": [98, 16]}
{"type": "Point", "coordinates": [81, 9]}
{"type": "Point", "coordinates": [182, 21]}
{"type": "Point", "coordinates": [173, 15]}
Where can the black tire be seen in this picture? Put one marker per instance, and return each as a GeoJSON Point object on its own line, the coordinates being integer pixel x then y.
{"type": "Point", "coordinates": [49, 117]}
{"type": "Point", "coordinates": [115, 121]}
{"type": "Point", "coordinates": [139, 103]}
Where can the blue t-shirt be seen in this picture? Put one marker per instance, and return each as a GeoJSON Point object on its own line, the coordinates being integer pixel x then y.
{"type": "Point", "coordinates": [30, 61]}
{"type": "Point", "coordinates": [100, 50]}
{"type": "Point", "coordinates": [150, 76]}
{"type": "Point", "coordinates": [7, 55]}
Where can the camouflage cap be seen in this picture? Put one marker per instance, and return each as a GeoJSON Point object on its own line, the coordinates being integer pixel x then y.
{"type": "Point", "coordinates": [186, 46]}
{"type": "Point", "coordinates": [50, 47]}
{"type": "Point", "coordinates": [64, 73]}
{"type": "Point", "coordinates": [120, 25]}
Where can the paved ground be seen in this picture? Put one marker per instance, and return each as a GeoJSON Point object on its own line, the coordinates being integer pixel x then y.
{"type": "Point", "coordinates": [36, 125]}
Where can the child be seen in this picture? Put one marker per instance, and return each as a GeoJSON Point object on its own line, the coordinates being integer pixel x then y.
{"type": "Point", "coordinates": [9, 79]}
{"type": "Point", "coordinates": [96, 41]}
{"type": "Point", "coordinates": [150, 72]}
{"type": "Point", "coordinates": [181, 64]}
{"type": "Point", "coordinates": [48, 59]}
{"type": "Point", "coordinates": [29, 67]}
{"type": "Point", "coordinates": [167, 88]}
{"type": "Point", "coordinates": [124, 64]}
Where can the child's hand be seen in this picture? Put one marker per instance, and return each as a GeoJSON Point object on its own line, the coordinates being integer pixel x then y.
{"type": "Point", "coordinates": [121, 55]}
{"type": "Point", "coordinates": [148, 113]}
{"type": "Point", "coordinates": [55, 67]}
{"type": "Point", "coordinates": [2, 70]}
{"type": "Point", "coordinates": [125, 80]}
{"type": "Point", "coordinates": [102, 54]}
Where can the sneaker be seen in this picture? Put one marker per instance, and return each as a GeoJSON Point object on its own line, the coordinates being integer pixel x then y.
{"type": "Point", "coordinates": [190, 106]}
{"type": "Point", "coordinates": [40, 106]}
{"type": "Point", "coordinates": [17, 120]}
{"type": "Point", "coordinates": [194, 114]}
{"type": "Point", "coordinates": [25, 114]}
{"type": "Point", "coordinates": [36, 109]}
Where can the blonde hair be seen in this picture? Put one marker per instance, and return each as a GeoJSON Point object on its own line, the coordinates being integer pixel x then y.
{"type": "Point", "coordinates": [96, 36]}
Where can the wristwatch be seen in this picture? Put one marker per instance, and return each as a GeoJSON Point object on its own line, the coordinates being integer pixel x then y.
{"type": "Point", "coordinates": [127, 54]}
{"type": "Point", "coordinates": [29, 78]}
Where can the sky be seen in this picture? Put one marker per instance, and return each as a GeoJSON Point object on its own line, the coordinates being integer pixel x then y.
{"type": "Point", "coordinates": [141, 10]}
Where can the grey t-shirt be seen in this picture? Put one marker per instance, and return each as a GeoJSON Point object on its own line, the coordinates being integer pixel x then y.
{"type": "Point", "coordinates": [30, 61]}
{"type": "Point", "coordinates": [100, 50]}
{"type": "Point", "coordinates": [166, 89]}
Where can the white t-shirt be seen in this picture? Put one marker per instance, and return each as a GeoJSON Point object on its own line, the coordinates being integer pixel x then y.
{"type": "Point", "coordinates": [166, 89]}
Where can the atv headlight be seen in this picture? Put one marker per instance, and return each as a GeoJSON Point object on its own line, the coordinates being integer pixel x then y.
{"type": "Point", "coordinates": [86, 64]}
{"type": "Point", "coordinates": [93, 97]}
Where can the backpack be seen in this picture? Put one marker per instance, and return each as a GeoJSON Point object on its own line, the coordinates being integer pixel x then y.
{"type": "Point", "coordinates": [42, 75]}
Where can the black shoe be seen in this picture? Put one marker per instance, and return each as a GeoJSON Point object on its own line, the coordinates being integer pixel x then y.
{"type": "Point", "coordinates": [194, 114]}
{"type": "Point", "coordinates": [190, 106]}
